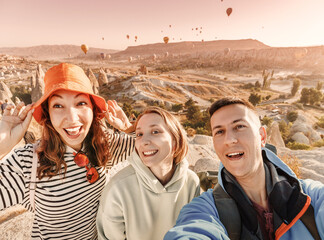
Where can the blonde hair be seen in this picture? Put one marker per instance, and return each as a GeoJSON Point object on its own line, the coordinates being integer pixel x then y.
{"type": "Point", "coordinates": [177, 132]}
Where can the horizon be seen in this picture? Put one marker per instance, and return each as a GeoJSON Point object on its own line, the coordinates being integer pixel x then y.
{"type": "Point", "coordinates": [105, 24]}
{"type": "Point", "coordinates": [68, 44]}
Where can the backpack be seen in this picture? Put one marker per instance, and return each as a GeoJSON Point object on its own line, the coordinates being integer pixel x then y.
{"type": "Point", "coordinates": [230, 217]}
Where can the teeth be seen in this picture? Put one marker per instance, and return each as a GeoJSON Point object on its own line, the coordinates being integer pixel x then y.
{"type": "Point", "coordinates": [73, 131]}
{"type": "Point", "coordinates": [234, 154]}
{"type": "Point", "coordinates": [149, 153]}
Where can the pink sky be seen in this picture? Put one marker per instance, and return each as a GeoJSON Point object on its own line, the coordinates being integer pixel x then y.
{"type": "Point", "coordinates": [273, 22]}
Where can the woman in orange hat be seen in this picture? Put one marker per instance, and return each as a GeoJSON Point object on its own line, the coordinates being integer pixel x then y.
{"type": "Point", "coordinates": [61, 177]}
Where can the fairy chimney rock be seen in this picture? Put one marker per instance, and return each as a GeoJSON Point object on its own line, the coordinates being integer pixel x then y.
{"type": "Point", "coordinates": [5, 92]}
{"type": "Point", "coordinates": [94, 81]}
{"type": "Point", "coordinates": [102, 79]}
{"type": "Point", "coordinates": [274, 136]}
{"type": "Point", "coordinates": [37, 85]}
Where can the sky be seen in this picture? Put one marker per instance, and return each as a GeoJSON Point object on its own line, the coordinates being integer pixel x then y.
{"type": "Point", "coordinates": [106, 23]}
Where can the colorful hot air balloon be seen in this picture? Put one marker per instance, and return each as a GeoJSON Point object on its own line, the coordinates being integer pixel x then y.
{"type": "Point", "coordinates": [166, 39]}
{"type": "Point", "coordinates": [170, 25]}
{"type": "Point", "coordinates": [84, 48]}
{"type": "Point", "coordinates": [229, 11]}
{"type": "Point", "coordinates": [103, 38]}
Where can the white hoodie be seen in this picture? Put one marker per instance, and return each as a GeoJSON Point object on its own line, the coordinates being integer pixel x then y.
{"type": "Point", "coordinates": [136, 206]}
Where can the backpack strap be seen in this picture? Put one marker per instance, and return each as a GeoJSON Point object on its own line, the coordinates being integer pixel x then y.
{"type": "Point", "coordinates": [228, 212]}
{"type": "Point", "coordinates": [308, 220]}
{"type": "Point", "coordinates": [32, 185]}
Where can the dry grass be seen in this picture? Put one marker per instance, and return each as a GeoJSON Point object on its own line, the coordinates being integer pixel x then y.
{"type": "Point", "coordinates": [293, 162]}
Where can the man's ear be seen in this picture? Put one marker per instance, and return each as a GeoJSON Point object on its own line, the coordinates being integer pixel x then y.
{"type": "Point", "coordinates": [263, 134]}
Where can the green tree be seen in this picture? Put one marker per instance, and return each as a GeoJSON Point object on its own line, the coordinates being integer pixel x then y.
{"type": "Point", "coordinates": [295, 87]}
{"type": "Point", "coordinates": [193, 113]}
{"type": "Point", "coordinates": [267, 77]}
{"type": "Point", "coordinates": [319, 85]}
{"type": "Point", "coordinates": [315, 96]}
{"type": "Point", "coordinates": [189, 103]}
{"type": "Point", "coordinates": [292, 116]}
{"type": "Point", "coordinates": [305, 96]}
{"type": "Point", "coordinates": [127, 108]}
{"type": "Point", "coordinates": [255, 98]}
{"type": "Point", "coordinates": [257, 84]}
{"type": "Point", "coordinates": [176, 107]}
{"type": "Point", "coordinates": [284, 129]}
{"type": "Point", "coordinates": [267, 121]}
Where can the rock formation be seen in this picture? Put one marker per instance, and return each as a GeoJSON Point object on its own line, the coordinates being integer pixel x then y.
{"type": "Point", "coordinates": [37, 84]}
{"type": "Point", "coordinates": [94, 81]}
{"type": "Point", "coordinates": [5, 92]}
{"type": "Point", "coordinates": [274, 135]}
{"type": "Point", "coordinates": [102, 79]}
{"type": "Point", "coordinates": [301, 125]}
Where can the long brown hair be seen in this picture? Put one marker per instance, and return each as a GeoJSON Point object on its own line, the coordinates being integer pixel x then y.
{"type": "Point", "coordinates": [51, 148]}
{"type": "Point", "coordinates": [177, 132]}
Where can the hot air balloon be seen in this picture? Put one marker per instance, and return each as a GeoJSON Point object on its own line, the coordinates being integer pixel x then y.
{"type": "Point", "coordinates": [154, 57]}
{"type": "Point", "coordinates": [196, 28]}
{"type": "Point", "coordinates": [166, 39]}
{"type": "Point", "coordinates": [170, 25]}
{"type": "Point", "coordinates": [135, 37]}
{"type": "Point", "coordinates": [127, 36]}
{"type": "Point", "coordinates": [103, 38]}
{"type": "Point", "coordinates": [102, 55]}
{"type": "Point", "coordinates": [229, 11]}
{"type": "Point", "coordinates": [84, 48]}
{"type": "Point", "coordinates": [130, 59]}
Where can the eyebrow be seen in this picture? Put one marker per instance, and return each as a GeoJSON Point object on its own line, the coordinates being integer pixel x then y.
{"type": "Point", "coordinates": [235, 121]}
{"type": "Point", "coordinates": [152, 125]}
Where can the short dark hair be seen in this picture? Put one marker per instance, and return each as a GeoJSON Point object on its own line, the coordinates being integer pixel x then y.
{"type": "Point", "coordinates": [229, 101]}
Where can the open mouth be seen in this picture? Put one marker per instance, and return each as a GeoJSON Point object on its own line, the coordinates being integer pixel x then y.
{"type": "Point", "coordinates": [150, 153]}
{"type": "Point", "coordinates": [73, 131]}
{"type": "Point", "coordinates": [235, 155]}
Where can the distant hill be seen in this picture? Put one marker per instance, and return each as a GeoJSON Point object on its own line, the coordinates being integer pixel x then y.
{"type": "Point", "coordinates": [192, 47]}
{"type": "Point", "coordinates": [48, 52]}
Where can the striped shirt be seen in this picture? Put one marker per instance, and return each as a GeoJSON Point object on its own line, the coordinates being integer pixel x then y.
{"type": "Point", "coordinates": [65, 208]}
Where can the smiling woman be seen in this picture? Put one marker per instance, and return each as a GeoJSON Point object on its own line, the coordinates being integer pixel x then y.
{"type": "Point", "coordinates": [143, 200]}
{"type": "Point", "coordinates": [71, 157]}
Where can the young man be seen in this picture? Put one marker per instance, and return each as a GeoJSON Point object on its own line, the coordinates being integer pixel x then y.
{"type": "Point", "coordinates": [257, 196]}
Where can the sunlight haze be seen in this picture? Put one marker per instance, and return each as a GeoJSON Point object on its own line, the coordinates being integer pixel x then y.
{"type": "Point", "coordinates": [105, 23]}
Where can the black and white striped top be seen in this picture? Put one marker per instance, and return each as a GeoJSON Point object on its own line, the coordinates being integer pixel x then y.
{"type": "Point", "coordinates": [65, 208]}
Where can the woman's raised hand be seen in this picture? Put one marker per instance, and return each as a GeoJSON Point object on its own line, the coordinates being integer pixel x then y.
{"type": "Point", "coordinates": [13, 125]}
{"type": "Point", "coordinates": [116, 116]}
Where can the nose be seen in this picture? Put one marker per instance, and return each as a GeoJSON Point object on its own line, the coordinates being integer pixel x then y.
{"type": "Point", "coordinates": [145, 140]}
{"type": "Point", "coordinates": [72, 114]}
{"type": "Point", "coordinates": [230, 137]}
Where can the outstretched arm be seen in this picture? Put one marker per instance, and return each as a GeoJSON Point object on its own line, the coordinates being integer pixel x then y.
{"type": "Point", "coordinates": [13, 125]}
{"type": "Point", "coordinates": [198, 220]}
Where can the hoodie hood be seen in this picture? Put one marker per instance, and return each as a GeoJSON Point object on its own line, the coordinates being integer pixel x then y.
{"type": "Point", "coordinates": [150, 182]}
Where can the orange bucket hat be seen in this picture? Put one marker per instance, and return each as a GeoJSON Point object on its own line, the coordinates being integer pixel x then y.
{"type": "Point", "coordinates": [68, 77]}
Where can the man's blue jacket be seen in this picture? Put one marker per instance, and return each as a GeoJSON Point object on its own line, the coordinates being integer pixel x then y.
{"type": "Point", "coordinates": [199, 219]}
